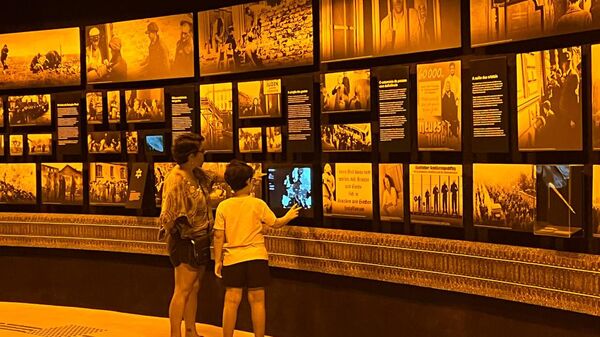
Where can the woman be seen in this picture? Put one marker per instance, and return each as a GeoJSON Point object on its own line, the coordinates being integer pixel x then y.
{"type": "Point", "coordinates": [390, 197]}
{"type": "Point", "coordinates": [186, 217]}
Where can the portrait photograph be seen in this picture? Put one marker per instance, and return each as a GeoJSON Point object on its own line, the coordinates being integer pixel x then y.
{"type": "Point", "coordinates": [216, 116]}
{"type": "Point", "coordinates": [30, 110]}
{"type": "Point", "coordinates": [39, 144]}
{"type": "Point", "coordinates": [18, 183]}
{"type": "Point", "coordinates": [161, 170]}
{"type": "Point", "coordinates": [132, 142]}
{"type": "Point", "coordinates": [16, 145]}
{"type": "Point", "coordinates": [62, 183]}
{"type": "Point", "coordinates": [113, 99]}
{"type": "Point", "coordinates": [145, 105]}
{"type": "Point", "coordinates": [108, 184]}
{"type": "Point", "coordinates": [274, 139]}
{"type": "Point", "coordinates": [391, 192]}
{"type": "Point", "coordinates": [259, 99]}
{"type": "Point", "coordinates": [94, 107]}
{"type": "Point", "coordinates": [346, 91]}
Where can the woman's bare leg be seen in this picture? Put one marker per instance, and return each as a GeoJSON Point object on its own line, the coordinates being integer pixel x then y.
{"type": "Point", "coordinates": [189, 314]}
{"type": "Point", "coordinates": [185, 277]}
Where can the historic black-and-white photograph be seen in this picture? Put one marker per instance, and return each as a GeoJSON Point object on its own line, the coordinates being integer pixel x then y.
{"type": "Point", "coordinates": [39, 144]}
{"type": "Point", "coordinates": [250, 140]}
{"type": "Point", "coordinates": [391, 192]}
{"type": "Point", "coordinates": [94, 107]}
{"type": "Point", "coordinates": [114, 106]}
{"type": "Point", "coordinates": [16, 143]}
{"type": "Point", "coordinates": [255, 36]}
{"type": "Point", "coordinates": [145, 105]}
{"type": "Point", "coordinates": [216, 113]}
{"type": "Point", "coordinates": [346, 137]}
{"type": "Point", "coordinates": [1, 145]}
{"type": "Point", "coordinates": [132, 142]}
{"type": "Point", "coordinates": [346, 91]}
{"type": "Point", "coordinates": [436, 194]}
{"type": "Point", "coordinates": [108, 184]}
{"type": "Point", "coordinates": [62, 183]}
{"type": "Point", "coordinates": [161, 170]}
{"type": "Point", "coordinates": [31, 110]}
{"type": "Point", "coordinates": [259, 99]}
{"type": "Point", "coordinates": [549, 100]}
{"type": "Point", "coordinates": [274, 139]}
{"type": "Point", "coordinates": [1, 112]}
{"type": "Point", "coordinates": [18, 183]}
{"type": "Point", "coordinates": [140, 50]}
{"type": "Point", "coordinates": [104, 142]}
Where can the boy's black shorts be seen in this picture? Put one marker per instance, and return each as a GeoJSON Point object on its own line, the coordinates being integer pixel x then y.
{"type": "Point", "coordinates": [249, 274]}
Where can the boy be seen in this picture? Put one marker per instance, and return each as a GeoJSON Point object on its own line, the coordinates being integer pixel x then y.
{"type": "Point", "coordinates": [241, 257]}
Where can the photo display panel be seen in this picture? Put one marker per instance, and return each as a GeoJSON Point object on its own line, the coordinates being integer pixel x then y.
{"type": "Point", "coordinates": [596, 97]}
{"type": "Point", "coordinates": [30, 110]}
{"type": "Point", "coordinates": [436, 195]}
{"type": "Point", "coordinates": [596, 201]}
{"type": "Point", "coordinates": [140, 50]}
{"type": "Point", "coordinates": [289, 186]}
{"type": "Point", "coordinates": [161, 170]}
{"type": "Point", "coordinates": [256, 36]}
{"type": "Point", "coordinates": [501, 21]}
{"type": "Point", "coordinates": [2, 145]}
{"type": "Point", "coordinates": [16, 145]}
{"type": "Point", "coordinates": [94, 107]}
{"type": "Point", "coordinates": [274, 139]}
{"type": "Point", "coordinates": [348, 190]}
{"type": "Point", "coordinates": [104, 142]}
{"type": "Point", "coordinates": [108, 184]}
{"type": "Point", "coordinates": [393, 84]}
{"type": "Point", "coordinates": [221, 190]}
{"type": "Point", "coordinates": [549, 100]}
{"type": "Point", "coordinates": [1, 112]}
{"type": "Point", "coordinates": [18, 183]}
{"type": "Point", "coordinates": [68, 106]}
{"type": "Point", "coordinates": [62, 183]}
{"type": "Point", "coordinates": [216, 117]}
{"type": "Point", "coordinates": [391, 192]}
{"type": "Point", "coordinates": [259, 99]}
{"type": "Point", "coordinates": [250, 140]}
{"type": "Point", "coordinates": [363, 28]}
{"type": "Point", "coordinates": [300, 110]}
{"type": "Point", "coordinates": [113, 98]}
{"type": "Point", "coordinates": [346, 137]}
{"type": "Point", "coordinates": [39, 144]}
{"type": "Point", "coordinates": [489, 86]}
{"type": "Point", "coordinates": [439, 103]}
{"type": "Point", "coordinates": [132, 142]}
{"type": "Point", "coordinates": [504, 196]}
{"type": "Point", "coordinates": [145, 105]}
{"type": "Point", "coordinates": [347, 91]}
{"type": "Point", "coordinates": [47, 58]}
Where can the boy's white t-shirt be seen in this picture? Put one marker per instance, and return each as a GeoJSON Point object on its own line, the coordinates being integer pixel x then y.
{"type": "Point", "coordinates": [242, 219]}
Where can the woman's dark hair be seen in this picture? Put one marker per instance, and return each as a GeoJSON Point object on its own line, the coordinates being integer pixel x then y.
{"type": "Point", "coordinates": [390, 180]}
{"type": "Point", "coordinates": [237, 174]}
{"type": "Point", "coordinates": [184, 145]}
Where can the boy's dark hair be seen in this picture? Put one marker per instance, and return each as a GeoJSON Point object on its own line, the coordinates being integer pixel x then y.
{"type": "Point", "coordinates": [237, 174]}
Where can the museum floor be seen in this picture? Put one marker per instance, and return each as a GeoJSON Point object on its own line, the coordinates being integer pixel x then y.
{"type": "Point", "coordinates": [22, 320]}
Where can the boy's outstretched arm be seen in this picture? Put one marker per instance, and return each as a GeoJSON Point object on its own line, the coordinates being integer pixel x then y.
{"type": "Point", "coordinates": [289, 216]}
{"type": "Point", "coordinates": [219, 238]}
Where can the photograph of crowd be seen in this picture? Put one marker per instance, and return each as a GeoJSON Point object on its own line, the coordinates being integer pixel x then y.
{"type": "Point", "coordinates": [560, 195]}
{"type": "Point", "coordinates": [289, 186]}
{"type": "Point", "coordinates": [346, 137]}
{"type": "Point", "coordinates": [132, 142]}
{"type": "Point", "coordinates": [161, 170]}
{"type": "Point", "coordinates": [39, 144]}
{"type": "Point", "coordinates": [114, 106]}
{"type": "Point", "coordinates": [255, 36]}
{"type": "Point", "coordinates": [502, 21]}
{"type": "Point", "coordinates": [436, 194]}
{"type": "Point", "coordinates": [62, 183]}
{"type": "Point", "coordinates": [145, 105]}
{"type": "Point", "coordinates": [504, 196]}
{"type": "Point", "coordinates": [391, 192]}
{"type": "Point", "coordinates": [47, 58]}
{"type": "Point", "coordinates": [596, 201]}
{"type": "Point", "coordinates": [94, 106]}
{"type": "Point", "coordinates": [439, 106]}
{"type": "Point", "coordinates": [363, 28]}
{"type": "Point", "coordinates": [16, 145]}
{"type": "Point", "coordinates": [18, 183]}
{"type": "Point", "coordinates": [108, 184]}
{"type": "Point", "coordinates": [216, 113]}
{"type": "Point", "coordinates": [31, 110]}
{"type": "Point", "coordinates": [104, 142]}
{"type": "Point", "coordinates": [346, 91]}
{"type": "Point", "coordinates": [596, 97]}
{"type": "Point", "coordinates": [140, 50]}
{"type": "Point", "coordinates": [259, 99]}
{"type": "Point", "coordinates": [250, 140]}
{"type": "Point", "coordinates": [549, 100]}
{"type": "Point", "coordinates": [274, 139]}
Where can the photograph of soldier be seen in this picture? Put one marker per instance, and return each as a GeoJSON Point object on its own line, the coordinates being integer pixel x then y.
{"type": "Point", "coordinates": [39, 144]}
{"type": "Point", "coordinates": [439, 106]}
{"type": "Point", "coordinates": [436, 194]}
{"type": "Point", "coordinates": [114, 106]}
{"type": "Point", "coordinates": [104, 142]}
{"type": "Point", "coordinates": [504, 196]}
{"type": "Point", "coordinates": [62, 183]}
{"type": "Point", "coordinates": [46, 58]}
{"type": "Point", "coordinates": [501, 21]}
{"type": "Point", "coordinates": [18, 183]}
{"type": "Point", "coordinates": [16, 145]}
{"type": "Point", "coordinates": [596, 201]}
{"type": "Point", "coordinates": [250, 140]}
{"type": "Point", "coordinates": [145, 105]}
{"type": "Point", "coordinates": [274, 139]}
{"type": "Point", "coordinates": [346, 137]}
{"type": "Point", "coordinates": [132, 142]}
{"type": "Point", "coordinates": [160, 173]}
{"type": "Point", "coordinates": [259, 99]}
{"type": "Point", "coordinates": [31, 110]}
{"type": "Point", "coordinates": [255, 36]}
{"type": "Point", "coordinates": [95, 108]}
{"type": "Point", "coordinates": [363, 28]}
{"type": "Point", "coordinates": [108, 184]}
{"type": "Point", "coordinates": [549, 100]}
{"type": "Point", "coordinates": [346, 91]}
{"type": "Point", "coordinates": [140, 50]}
{"type": "Point", "coordinates": [216, 116]}
{"type": "Point", "coordinates": [391, 192]}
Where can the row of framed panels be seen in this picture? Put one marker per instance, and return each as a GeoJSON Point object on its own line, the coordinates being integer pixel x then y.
{"type": "Point", "coordinates": [543, 199]}
{"type": "Point", "coordinates": [272, 34]}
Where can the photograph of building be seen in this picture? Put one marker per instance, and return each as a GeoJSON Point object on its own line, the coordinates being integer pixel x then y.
{"type": "Point", "coordinates": [216, 116]}
{"type": "Point", "coordinates": [108, 184]}
{"type": "Point", "coordinates": [62, 183]}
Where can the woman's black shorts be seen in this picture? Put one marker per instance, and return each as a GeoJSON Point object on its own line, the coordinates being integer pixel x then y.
{"type": "Point", "coordinates": [195, 253]}
{"type": "Point", "coordinates": [249, 274]}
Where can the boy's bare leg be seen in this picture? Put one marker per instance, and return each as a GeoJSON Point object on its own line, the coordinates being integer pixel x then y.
{"type": "Point", "coordinates": [256, 297]}
{"type": "Point", "coordinates": [233, 297]}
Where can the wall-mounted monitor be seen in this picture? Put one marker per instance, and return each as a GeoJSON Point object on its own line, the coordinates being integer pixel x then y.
{"type": "Point", "coordinates": [290, 185]}
{"type": "Point", "coordinates": [155, 143]}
